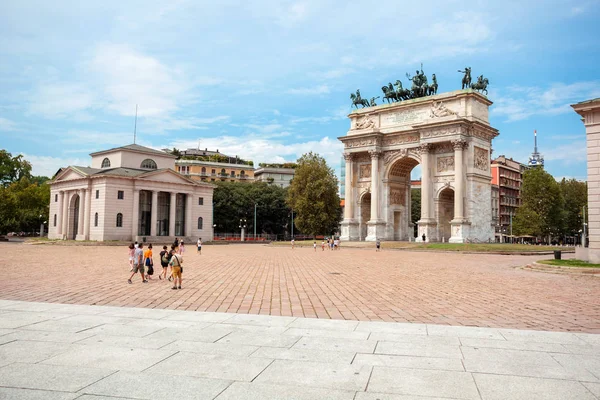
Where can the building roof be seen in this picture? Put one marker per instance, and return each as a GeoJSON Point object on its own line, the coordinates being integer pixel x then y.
{"type": "Point", "coordinates": [136, 148]}
{"type": "Point", "coordinates": [262, 170]}
{"type": "Point", "coordinates": [213, 164]}
{"type": "Point", "coordinates": [587, 101]}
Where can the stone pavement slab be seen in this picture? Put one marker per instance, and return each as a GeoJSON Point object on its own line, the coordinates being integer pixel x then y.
{"type": "Point", "coordinates": [132, 355]}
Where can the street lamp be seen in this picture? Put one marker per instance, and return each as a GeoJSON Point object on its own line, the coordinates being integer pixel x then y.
{"type": "Point", "coordinates": [255, 221]}
{"type": "Point", "coordinates": [242, 227]}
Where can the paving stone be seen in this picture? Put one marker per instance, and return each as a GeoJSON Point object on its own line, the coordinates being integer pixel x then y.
{"type": "Point", "coordinates": [335, 357]}
{"type": "Point", "coordinates": [98, 319]}
{"type": "Point", "coordinates": [515, 345]}
{"type": "Point", "coordinates": [60, 326]}
{"type": "Point", "coordinates": [6, 331]}
{"type": "Point", "coordinates": [252, 328]}
{"type": "Point", "coordinates": [139, 386]}
{"type": "Point", "coordinates": [126, 341]}
{"type": "Point", "coordinates": [464, 331]}
{"type": "Point", "coordinates": [579, 362]}
{"type": "Point", "coordinates": [26, 351]}
{"type": "Point", "coordinates": [327, 333]}
{"type": "Point", "coordinates": [209, 334]}
{"type": "Point", "coordinates": [256, 391]}
{"type": "Point", "coordinates": [19, 319]}
{"type": "Point", "coordinates": [260, 339]}
{"type": "Point", "coordinates": [584, 349]}
{"type": "Point", "coordinates": [501, 387]}
{"type": "Point", "coordinates": [418, 339]}
{"type": "Point", "coordinates": [423, 382]}
{"type": "Point", "coordinates": [123, 330]}
{"type": "Point", "coordinates": [421, 350]}
{"type": "Point", "coordinates": [47, 336]}
{"type": "Point", "coordinates": [526, 369]}
{"type": "Point", "coordinates": [541, 337]}
{"type": "Point", "coordinates": [314, 374]}
{"type": "Point", "coordinates": [139, 313]}
{"type": "Point", "coordinates": [447, 364]}
{"type": "Point", "coordinates": [508, 356]}
{"type": "Point", "coordinates": [32, 306]}
{"type": "Point", "coordinates": [211, 366]}
{"type": "Point", "coordinates": [50, 377]}
{"type": "Point", "coordinates": [160, 323]}
{"type": "Point", "coordinates": [388, 396]}
{"type": "Point", "coordinates": [398, 328]}
{"type": "Point", "coordinates": [593, 387]}
{"type": "Point", "coordinates": [593, 339]}
{"type": "Point", "coordinates": [109, 357]}
{"type": "Point", "coordinates": [195, 316]}
{"type": "Point", "coordinates": [260, 320]}
{"type": "Point", "coordinates": [323, 324]}
{"type": "Point", "coordinates": [211, 348]}
{"type": "Point", "coordinates": [29, 394]}
{"type": "Point", "coordinates": [336, 344]}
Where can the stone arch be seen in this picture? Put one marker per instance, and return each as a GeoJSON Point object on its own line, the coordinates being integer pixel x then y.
{"type": "Point", "coordinates": [73, 217]}
{"type": "Point", "coordinates": [447, 185]}
{"type": "Point", "coordinates": [445, 211]}
{"type": "Point", "coordinates": [401, 165]}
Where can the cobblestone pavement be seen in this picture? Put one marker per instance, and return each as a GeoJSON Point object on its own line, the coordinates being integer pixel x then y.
{"type": "Point", "coordinates": [353, 284]}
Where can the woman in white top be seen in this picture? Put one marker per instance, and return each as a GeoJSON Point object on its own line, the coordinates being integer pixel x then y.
{"type": "Point", "coordinates": [199, 245]}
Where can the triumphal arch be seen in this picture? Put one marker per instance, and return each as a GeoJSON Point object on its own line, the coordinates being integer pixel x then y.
{"type": "Point", "coordinates": [450, 137]}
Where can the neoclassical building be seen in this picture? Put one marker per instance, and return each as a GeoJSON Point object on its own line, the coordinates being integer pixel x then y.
{"type": "Point", "coordinates": [449, 136]}
{"type": "Point", "coordinates": [129, 193]}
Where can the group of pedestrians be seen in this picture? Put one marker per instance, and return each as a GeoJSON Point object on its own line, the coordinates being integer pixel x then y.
{"type": "Point", "coordinates": [142, 262]}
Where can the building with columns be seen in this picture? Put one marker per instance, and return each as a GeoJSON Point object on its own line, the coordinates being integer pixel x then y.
{"type": "Point", "coordinates": [590, 116]}
{"type": "Point", "coordinates": [449, 135]}
{"type": "Point", "coordinates": [129, 193]}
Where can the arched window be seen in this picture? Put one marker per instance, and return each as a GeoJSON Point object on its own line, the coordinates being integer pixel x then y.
{"type": "Point", "coordinates": [119, 220]}
{"type": "Point", "coordinates": [242, 173]}
{"type": "Point", "coordinates": [223, 172]}
{"type": "Point", "coordinates": [96, 219]}
{"type": "Point", "coordinates": [148, 164]}
{"type": "Point", "coordinates": [233, 174]}
{"type": "Point", "coordinates": [54, 219]}
{"type": "Point", "coordinates": [203, 170]}
{"type": "Point", "coordinates": [106, 163]}
{"type": "Point", "coordinates": [200, 221]}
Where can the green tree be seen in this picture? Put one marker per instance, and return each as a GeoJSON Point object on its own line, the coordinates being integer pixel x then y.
{"type": "Point", "coordinates": [12, 168]}
{"type": "Point", "coordinates": [415, 205]}
{"type": "Point", "coordinates": [542, 195]}
{"type": "Point", "coordinates": [23, 206]}
{"type": "Point", "coordinates": [313, 195]}
{"type": "Point", "coordinates": [527, 222]}
{"type": "Point", "coordinates": [574, 193]}
{"type": "Point", "coordinates": [235, 200]}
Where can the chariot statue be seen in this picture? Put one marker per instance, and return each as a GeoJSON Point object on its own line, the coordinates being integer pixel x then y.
{"type": "Point", "coordinates": [481, 84]}
{"type": "Point", "coordinates": [357, 99]}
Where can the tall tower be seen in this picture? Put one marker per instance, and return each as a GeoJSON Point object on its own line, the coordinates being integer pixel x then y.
{"type": "Point", "coordinates": [536, 158]}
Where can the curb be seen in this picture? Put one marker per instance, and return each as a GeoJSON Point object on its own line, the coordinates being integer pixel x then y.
{"type": "Point", "coordinates": [558, 269]}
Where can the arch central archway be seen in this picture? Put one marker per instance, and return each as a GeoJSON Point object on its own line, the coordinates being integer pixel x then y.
{"type": "Point", "coordinates": [399, 198]}
{"type": "Point", "coordinates": [73, 217]}
{"type": "Point", "coordinates": [445, 213]}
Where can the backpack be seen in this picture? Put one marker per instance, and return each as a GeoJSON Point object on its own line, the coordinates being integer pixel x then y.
{"type": "Point", "coordinates": [163, 258]}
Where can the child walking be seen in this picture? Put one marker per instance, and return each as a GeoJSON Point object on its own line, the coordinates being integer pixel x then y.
{"type": "Point", "coordinates": [176, 269]}
{"type": "Point", "coordinates": [149, 262]}
{"type": "Point", "coordinates": [164, 262]}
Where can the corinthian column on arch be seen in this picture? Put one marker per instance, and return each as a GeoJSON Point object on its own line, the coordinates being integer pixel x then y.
{"type": "Point", "coordinates": [424, 150]}
{"type": "Point", "coordinates": [348, 189]}
{"type": "Point", "coordinates": [375, 156]}
{"type": "Point", "coordinates": [459, 179]}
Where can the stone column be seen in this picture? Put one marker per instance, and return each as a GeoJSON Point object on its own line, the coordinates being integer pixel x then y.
{"type": "Point", "coordinates": [59, 211]}
{"type": "Point", "coordinates": [425, 183]}
{"type": "Point", "coordinates": [459, 179]}
{"type": "Point", "coordinates": [188, 214]}
{"type": "Point", "coordinates": [172, 206]}
{"type": "Point", "coordinates": [154, 214]}
{"type": "Point", "coordinates": [375, 185]}
{"type": "Point", "coordinates": [65, 215]}
{"type": "Point", "coordinates": [348, 206]}
{"type": "Point", "coordinates": [135, 217]}
{"type": "Point", "coordinates": [86, 217]}
{"type": "Point", "coordinates": [81, 214]}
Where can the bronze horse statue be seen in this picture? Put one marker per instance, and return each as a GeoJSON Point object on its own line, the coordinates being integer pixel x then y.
{"type": "Point", "coordinates": [356, 100]}
{"type": "Point", "coordinates": [481, 85]}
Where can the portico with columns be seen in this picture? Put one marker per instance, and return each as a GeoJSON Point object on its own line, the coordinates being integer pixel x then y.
{"type": "Point", "coordinates": [449, 136]}
{"type": "Point", "coordinates": [126, 203]}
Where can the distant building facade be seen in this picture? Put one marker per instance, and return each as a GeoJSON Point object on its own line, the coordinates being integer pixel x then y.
{"type": "Point", "coordinates": [276, 176]}
{"type": "Point", "coordinates": [209, 171]}
{"type": "Point", "coordinates": [129, 193]}
{"type": "Point", "coordinates": [507, 177]}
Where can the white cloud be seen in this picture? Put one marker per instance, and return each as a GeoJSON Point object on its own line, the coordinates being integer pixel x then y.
{"type": "Point", "coordinates": [61, 99]}
{"type": "Point", "coordinates": [321, 89]}
{"type": "Point", "coordinates": [47, 165]}
{"type": "Point", "coordinates": [520, 103]}
{"type": "Point", "coordinates": [7, 125]}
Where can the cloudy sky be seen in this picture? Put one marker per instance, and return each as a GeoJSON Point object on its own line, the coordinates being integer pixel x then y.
{"type": "Point", "coordinates": [270, 80]}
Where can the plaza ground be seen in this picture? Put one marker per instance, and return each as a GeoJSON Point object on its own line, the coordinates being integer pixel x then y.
{"type": "Point", "coordinates": [479, 290]}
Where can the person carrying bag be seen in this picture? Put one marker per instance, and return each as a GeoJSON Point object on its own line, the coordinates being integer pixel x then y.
{"type": "Point", "coordinates": [176, 269]}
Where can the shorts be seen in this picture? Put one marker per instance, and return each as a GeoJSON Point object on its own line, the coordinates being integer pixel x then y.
{"type": "Point", "coordinates": [164, 265]}
{"type": "Point", "coordinates": [199, 248]}
{"type": "Point", "coordinates": [176, 272]}
{"type": "Point", "coordinates": [138, 267]}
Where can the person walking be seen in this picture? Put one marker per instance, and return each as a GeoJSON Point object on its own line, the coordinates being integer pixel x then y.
{"type": "Point", "coordinates": [181, 248]}
{"type": "Point", "coordinates": [315, 245]}
{"type": "Point", "coordinates": [164, 262]}
{"type": "Point", "coordinates": [131, 253]}
{"type": "Point", "coordinates": [170, 256]}
{"type": "Point", "coordinates": [149, 262]}
{"type": "Point", "coordinates": [377, 245]}
{"type": "Point", "coordinates": [323, 245]}
{"type": "Point", "coordinates": [176, 269]}
{"type": "Point", "coordinates": [138, 264]}
{"type": "Point", "coordinates": [199, 246]}
{"type": "Point", "coordinates": [292, 244]}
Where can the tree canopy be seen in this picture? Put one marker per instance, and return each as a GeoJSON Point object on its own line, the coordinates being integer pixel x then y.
{"type": "Point", "coordinates": [574, 193]}
{"type": "Point", "coordinates": [12, 168]}
{"type": "Point", "coordinates": [313, 195]}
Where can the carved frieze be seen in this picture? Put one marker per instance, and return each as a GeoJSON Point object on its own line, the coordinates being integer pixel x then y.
{"type": "Point", "coordinates": [361, 157]}
{"type": "Point", "coordinates": [445, 131]}
{"type": "Point", "coordinates": [397, 196]}
{"type": "Point", "coordinates": [441, 148]}
{"type": "Point", "coordinates": [364, 171]}
{"type": "Point", "coordinates": [424, 148]}
{"type": "Point", "coordinates": [445, 164]}
{"type": "Point", "coordinates": [459, 144]}
{"type": "Point", "coordinates": [401, 139]}
{"type": "Point", "coordinates": [439, 109]}
{"type": "Point", "coordinates": [366, 122]}
{"type": "Point", "coordinates": [361, 143]}
{"type": "Point", "coordinates": [443, 179]}
{"type": "Point", "coordinates": [390, 155]}
{"type": "Point", "coordinates": [481, 159]}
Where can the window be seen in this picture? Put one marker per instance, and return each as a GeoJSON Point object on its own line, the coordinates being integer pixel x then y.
{"type": "Point", "coordinates": [54, 219]}
{"type": "Point", "coordinates": [119, 220]}
{"type": "Point", "coordinates": [200, 201]}
{"type": "Point", "coordinates": [213, 172]}
{"type": "Point", "coordinates": [148, 164]}
{"type": "Point", "coordinates": [120, 195]}
{"type": "Point", "coordinates": [232, 174]}
{"type": "Point", "coordinates": [106, 163]}
{"type": "Point", "coordinates": [96, 219]}
{"type": "Point", "coordinates": [97, 194]}
{"type": "Point", "coordinates": [55, 198]}
{"type": "Point", "coordinates": [200, 221]}
{"type": "Point", "coordinates": [203, 170]}
{"type": "Point", "coordinates": [223, 172]}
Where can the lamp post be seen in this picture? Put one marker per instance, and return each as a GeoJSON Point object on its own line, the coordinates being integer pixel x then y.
{"type": "Point", "coordinates": [242, 227]}
{"type": "Point", "coordinates": [292, 223]}
{"type": "Point", "coordinates": [255, 222]}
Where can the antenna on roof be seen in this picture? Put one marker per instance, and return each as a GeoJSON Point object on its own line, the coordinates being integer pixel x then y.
{"type": "Point", "coordinates": [135, 125]}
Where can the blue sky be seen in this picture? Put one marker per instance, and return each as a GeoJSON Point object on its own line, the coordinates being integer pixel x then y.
{"type": "Point", "coordinates": [270, 80]}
